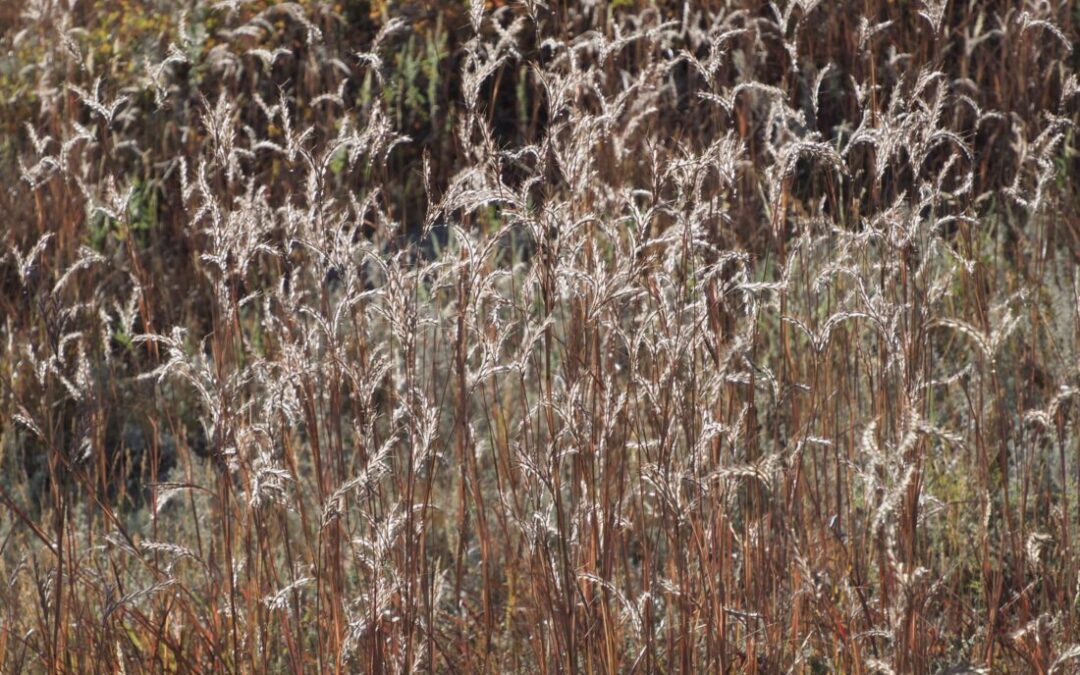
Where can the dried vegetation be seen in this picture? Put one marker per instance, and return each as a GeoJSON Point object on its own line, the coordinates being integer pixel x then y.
{"type": "Point", "coordinates": [549, 337]}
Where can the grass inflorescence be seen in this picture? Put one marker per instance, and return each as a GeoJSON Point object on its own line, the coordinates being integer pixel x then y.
{"type": "Point", "coordinates": [539, 336]}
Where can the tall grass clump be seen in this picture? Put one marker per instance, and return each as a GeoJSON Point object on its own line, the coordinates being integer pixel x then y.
{"type": "Point", "coordinates": [536, 336]}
